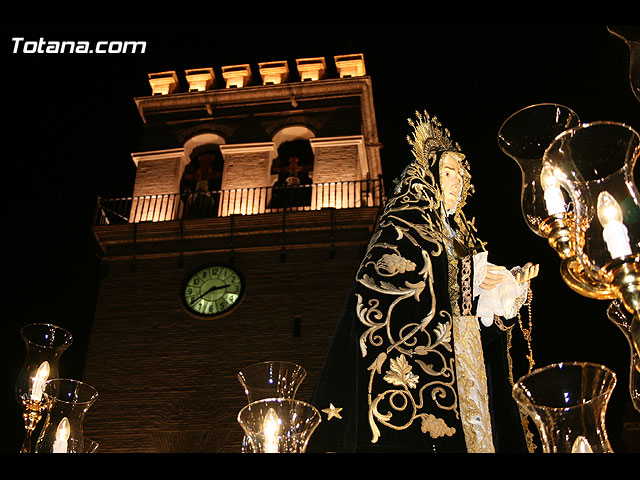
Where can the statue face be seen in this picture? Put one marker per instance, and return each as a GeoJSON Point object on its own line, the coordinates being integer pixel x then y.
{"type": "Point", "coordinates": [450, 180]}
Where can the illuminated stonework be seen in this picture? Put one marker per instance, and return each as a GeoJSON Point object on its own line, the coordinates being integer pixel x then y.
{"type": "Point", "coordinates": [199, 79]}
{"type": "Point", "coordinates": [163, 83]}
{"type": "Point", "coordinates": [350, 65]}
{"type": "Point", "coordinates": [274, 73]}
{"type": "Point", "coordinates": [236, 76]}
{"type": "Point", "coordinates": [340, 166]}
{"type": "Point", "coordinates": [311, 69]}
{"type": "Point", "coordinates": [155, 175]}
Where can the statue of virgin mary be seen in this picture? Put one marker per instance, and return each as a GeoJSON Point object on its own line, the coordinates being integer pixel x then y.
{"type": "Point", "coordinates": [418, 358]}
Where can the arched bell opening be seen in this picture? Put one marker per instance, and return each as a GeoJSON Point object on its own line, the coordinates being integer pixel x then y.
{"type": "Point", "coordinates": [201, 181]}
{"type": "Point", "coordinates": [292, 169]}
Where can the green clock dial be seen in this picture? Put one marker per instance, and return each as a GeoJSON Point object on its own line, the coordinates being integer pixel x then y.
{"type": "Point", "coordinates": [213, 290]}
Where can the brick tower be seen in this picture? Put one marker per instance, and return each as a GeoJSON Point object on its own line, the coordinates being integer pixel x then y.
{"type": "Point", "coordinates": [270, 171]}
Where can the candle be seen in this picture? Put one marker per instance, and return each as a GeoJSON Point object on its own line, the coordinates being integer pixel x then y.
{"type": "Point", "coordinates": [271, 427]}
{"type": "Point", "coordinates": [554, 200]}
{"type": "Point", "coordinates": [614, 232]}
{"type": "Point", "coordinates": [42, 374]}
{"type": "Point", "coordinates": [581, 445]}
{"type": "Point", "coordinates": [62, 436]}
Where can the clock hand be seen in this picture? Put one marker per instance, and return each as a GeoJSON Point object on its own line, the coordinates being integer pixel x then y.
{"type": "Point", "coordinates": [212, 289]}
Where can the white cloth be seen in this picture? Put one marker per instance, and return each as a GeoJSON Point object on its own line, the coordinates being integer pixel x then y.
{"type": "Point", "coordinates": [503, 299]}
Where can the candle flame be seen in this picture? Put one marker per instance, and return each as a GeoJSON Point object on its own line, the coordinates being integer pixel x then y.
{"type": "Point", "coordinates": [42, 374]}
{"type": "Point", "coordinates": [547, 177]}
{"type": "Point", "coordinates": [608, 209]}
{"type": "Point", "coordinates": [271, 430]}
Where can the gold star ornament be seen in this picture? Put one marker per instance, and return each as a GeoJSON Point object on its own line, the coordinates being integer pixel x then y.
{"type": "Point", "coordinates": [332, 412]}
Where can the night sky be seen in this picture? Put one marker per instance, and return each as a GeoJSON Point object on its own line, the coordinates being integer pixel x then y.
{"type": "Point", "coordinates": [70, 125]}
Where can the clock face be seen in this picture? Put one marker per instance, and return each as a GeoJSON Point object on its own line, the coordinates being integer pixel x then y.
{"type": "Point", "coordinates": [213, 290]}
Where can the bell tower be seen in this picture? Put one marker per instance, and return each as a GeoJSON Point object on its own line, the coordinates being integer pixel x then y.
{"type": "Point", "coordinates": [257, 188]}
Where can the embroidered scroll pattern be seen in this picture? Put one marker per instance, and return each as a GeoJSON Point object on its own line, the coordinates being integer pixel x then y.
{"type": "Point", "coordinates": [415, 360]}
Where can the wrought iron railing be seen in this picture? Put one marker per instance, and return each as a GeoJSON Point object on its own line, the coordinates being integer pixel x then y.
{"type": "Point", "coordinates": [248, 201]}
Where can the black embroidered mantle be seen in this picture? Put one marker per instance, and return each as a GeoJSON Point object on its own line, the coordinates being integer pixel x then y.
{"type": "Point", "coordinates": [406, 369]}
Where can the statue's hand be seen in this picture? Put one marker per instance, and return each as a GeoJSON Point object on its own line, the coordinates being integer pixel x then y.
{"type": "Point", "coordinates": [495, 274]}
{"type": "Point", "coordinates": [528, 272]}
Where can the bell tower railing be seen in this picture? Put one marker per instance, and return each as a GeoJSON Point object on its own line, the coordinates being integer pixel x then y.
{"type": "Point", "coordinates": [247, 201]}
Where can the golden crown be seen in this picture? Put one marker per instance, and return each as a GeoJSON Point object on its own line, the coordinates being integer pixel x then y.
{"type": "Point", "coordinates": [429, 136]}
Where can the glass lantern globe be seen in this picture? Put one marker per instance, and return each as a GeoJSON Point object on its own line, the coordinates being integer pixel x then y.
{"type": "Point", "coordinates": [524, 137]}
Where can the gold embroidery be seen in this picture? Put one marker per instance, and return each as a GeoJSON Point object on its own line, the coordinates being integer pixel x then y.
{"type": "Point", "coordinates": [467, 293]}
{"type": "Point", "coordinates": [435, 427]}
{"type": "Point", "coordinates": [470, 369]}
{"type": "Point", "coordinates": [428, 353]}
{"type": "Point", "coordinates": [400, 375]}
{"type": "Point", "coordinates": [392, 264]}
{"type": "Point", "coordinates": [472, 386]}
{"type": "Point", "coordinates": [401, 400]}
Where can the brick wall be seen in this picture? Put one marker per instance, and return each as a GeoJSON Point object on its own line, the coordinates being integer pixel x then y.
{"type": "Point", "coordinates": [158, 172]}
{"type": "Point", "coordinates": [338, 163]}
{"type": "Point", "coordinates": [167, 381]}
{"type": "Point", "coordinates": [246, 166]}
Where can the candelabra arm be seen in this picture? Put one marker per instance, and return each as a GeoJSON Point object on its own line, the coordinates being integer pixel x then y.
{"type": "Point", "coordinates": [32, 415]}
{"type": "Point", "coordinates": [619, 315]}
{"type": "Point", "coordinates": [558, 230]}
{"type": "Point", "coordinates": [635, 337]}
{"type": "Point", "coordinates": [579, 280]}
{"type": "Point", "coordinates": [623, 274]}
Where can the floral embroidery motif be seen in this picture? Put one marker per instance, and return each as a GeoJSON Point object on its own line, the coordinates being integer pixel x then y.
{"type": "Point", "coordinates": [400, 374]}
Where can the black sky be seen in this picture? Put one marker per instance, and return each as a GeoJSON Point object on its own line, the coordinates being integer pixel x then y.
{"type": "Point", "coordinates": [71, 125]}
